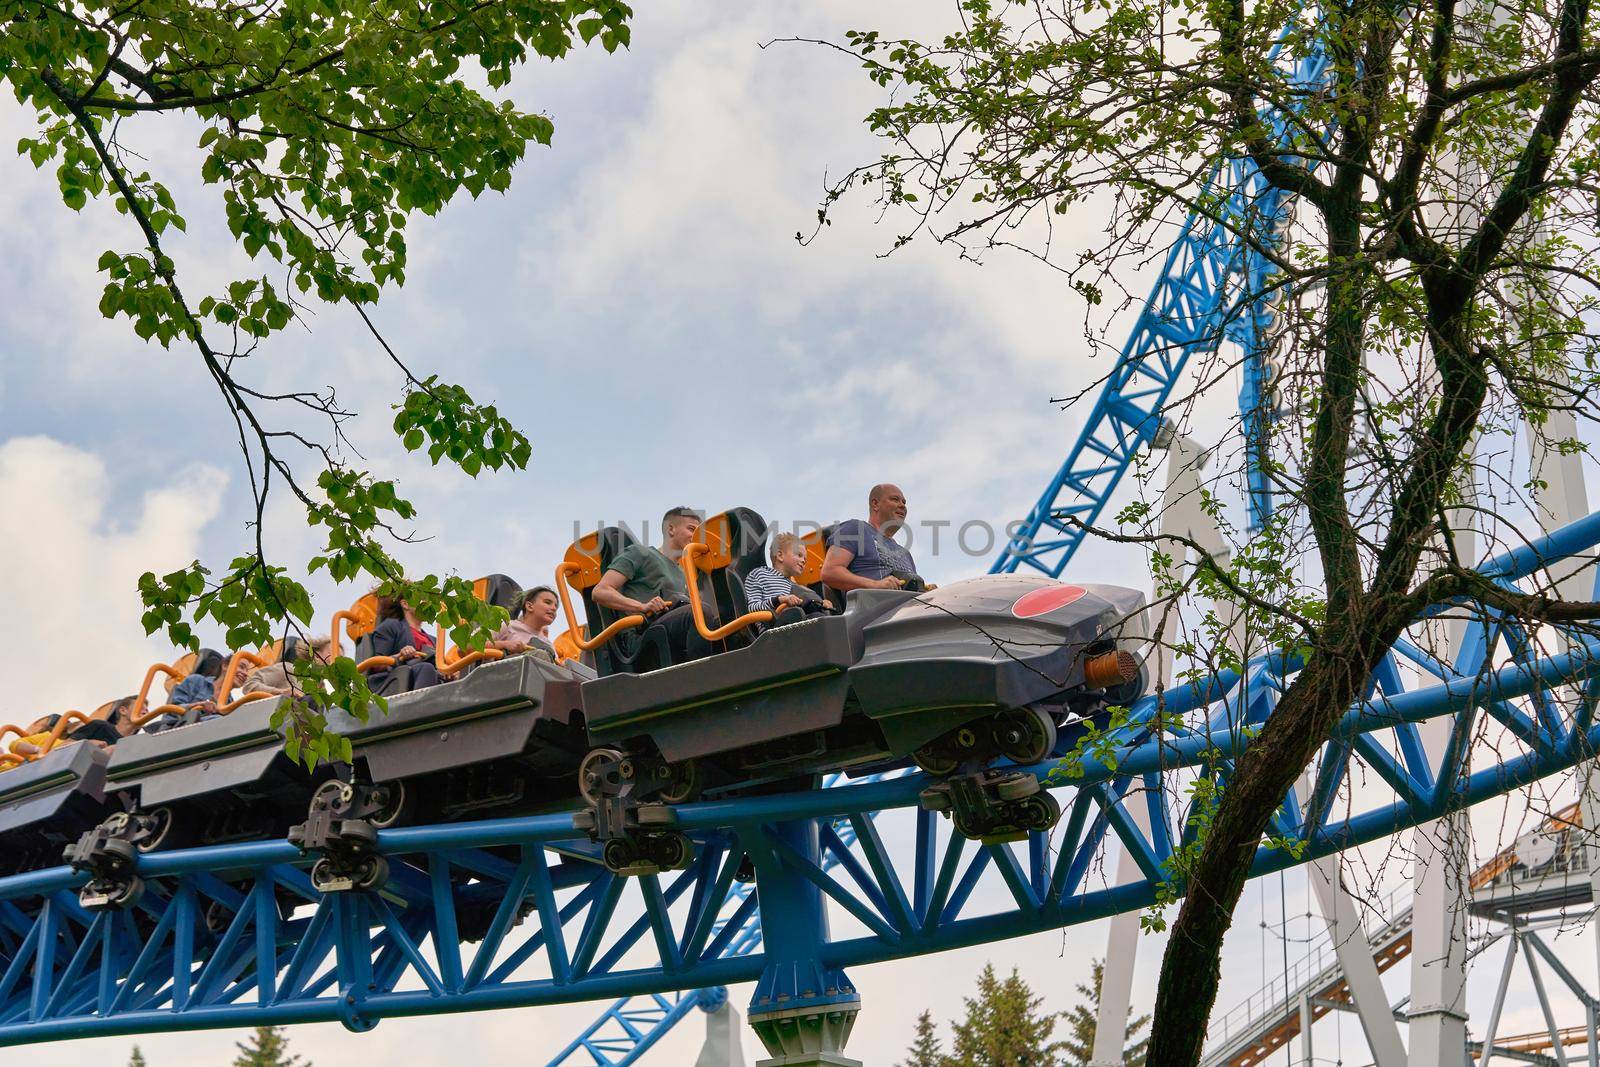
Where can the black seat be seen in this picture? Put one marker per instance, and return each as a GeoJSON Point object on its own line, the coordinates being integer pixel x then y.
{"type": "Point", "coordinates": [500, 590]}
{"type": "Point", "coordinates": [738, 538]}
{"type": "Point", "coordinates": [816, 544]}
{"type": "Point", "coordinates": [586, 562]}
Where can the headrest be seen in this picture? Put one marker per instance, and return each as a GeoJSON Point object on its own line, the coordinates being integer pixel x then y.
{"type": "Point", "coordinates": [184, 665]}
{"type": "Point", "coordinates": [499, 590]}
{"type": "Point", "coordinates": [737, 536]}
{"type": "Point", "coordinates": [585, 552]}
{"type": "Point", "coordinates": [593, 552]}
{"type": "Point", "coordinates": [365, 611]}
{"type": "Point", "coordinates": [815, 543]}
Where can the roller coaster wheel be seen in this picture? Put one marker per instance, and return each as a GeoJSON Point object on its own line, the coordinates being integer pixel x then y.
{"type": "Point", "coordinates": [672, 852]}
{"type": "Point", "coordinates": [371, 874]}
{"type": "Point", "coordinates": [619, 854]}
{"type": "Point", "coordinates": [125, 893]}
{"type": "Point", "coordinates": [217, 917]}
{"type": "Point", "coordinates": [393, 802]}
{"type": "Point", "coordinates": [937, 763]}
{"type": "Point", "coordinates": [962, 824]}
{"type": "Point", "coordinates": [157, 829]}
{"type": "Point", "coordinates": [333, 795]}
{"type": "Point", "coordinates": [591, 772]}
{"type": "Point", "coordinates": [323, 876]}
{"type": "Point", "coordinates": [1038, 812]}
{"type": "Point", "coordinates": [685, 783]}
{"type": "Point", "coordinates": [1025, 735]}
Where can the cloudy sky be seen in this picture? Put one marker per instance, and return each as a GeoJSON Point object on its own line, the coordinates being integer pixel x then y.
{"type": "Point", "coordinates": [638, 303]}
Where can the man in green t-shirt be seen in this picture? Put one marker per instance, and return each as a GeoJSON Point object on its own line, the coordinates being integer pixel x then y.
{"type": "Point", "coordinates": [648, 581]}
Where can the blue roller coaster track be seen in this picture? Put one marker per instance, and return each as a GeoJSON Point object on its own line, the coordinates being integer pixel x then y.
{"type": "Point", "coordinates": [233, 935]}
{"type": "Point", "coordinates": [1217, 283]}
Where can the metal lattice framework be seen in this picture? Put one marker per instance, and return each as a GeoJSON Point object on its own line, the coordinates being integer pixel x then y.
{"type": "Point", "coordinates": [234, 934]}
{"type": "Point", "coordinates": [628, 1028]}
{"type": "Point", "coordinates": [1217, 283]}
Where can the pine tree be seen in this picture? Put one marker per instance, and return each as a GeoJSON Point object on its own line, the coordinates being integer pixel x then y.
{"type": "Point", "coordinates": [1004, 1027]}
{"type": "Point", "coordinates": [137, 1059]}
{"type": "Point", "coordinates": [925, 1050]}
{"type": "Point", "coordinates": [267, 1048]}
{"type": "Point", "coordinates": [1079, 1046]}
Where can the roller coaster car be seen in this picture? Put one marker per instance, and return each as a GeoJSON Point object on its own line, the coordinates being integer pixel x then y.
{"type": "Point", "coordinates": [955, 679]}
{"type": "Point", "coordinates": [224, 779]}
{"type": "Point", "coordinates": [505, 737]}
{"type": "Point", "coordinates": [46, 803]}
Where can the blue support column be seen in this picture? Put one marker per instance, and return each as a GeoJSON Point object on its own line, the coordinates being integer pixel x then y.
{"type": "Point", "coordinates": [802, 1010]}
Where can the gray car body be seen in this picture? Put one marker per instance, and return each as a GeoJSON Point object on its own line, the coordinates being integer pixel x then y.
{"type": "Point", "coordinates": [916, 664]}
{"type": "Point", "coordinates": [50, 801]}
{"type": "Point", "coordinates": [487, 715]}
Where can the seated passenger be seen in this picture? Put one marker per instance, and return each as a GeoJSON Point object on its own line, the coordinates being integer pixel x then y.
{"type": "Point", "coordinates": [530, 630]}
{"type": "Point", "coordinates": [279, 678]}
{"type": "Point", "coordinates": [103, 733]}
{"type": "Point", "coordinates": [862, 554]}
{"type": "Point", "coordinates": [199, 686]}
{"type": "Point", "coordinates": [32, 744]}
{"type": "Point", "coordinates": [399, 634]}
{"type": "Point", "coordinates": [773, 589]}
{"type": "Point", "coordinates": [648, 581]}
{"type": "Point", "coordinates": [197, 690]}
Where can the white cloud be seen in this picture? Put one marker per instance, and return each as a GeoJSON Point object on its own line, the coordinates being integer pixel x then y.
{"type": "Point", "coordinates": [71, 624]}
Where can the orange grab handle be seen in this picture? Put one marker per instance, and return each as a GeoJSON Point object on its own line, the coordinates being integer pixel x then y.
{"type": "Point", "coordinates": [156, 713]}
{"type": "Point", "coordinates": [458, 665]}
{"type": "Point", "coordinates": [137, 715]}
{"type": "Point", "coordinates": [627, 622]}
{"type": "Point", "coordinates": [248, 698]}
{"type": "Point", "coordinates": [230, 677]}
{"type": "Point", "coordinates": [450, 661]}
{"type": "Point", "coordinates": [338, 647]}
{"type": "Point", "coordinates": [743, 622]}
{"type": "Point", "coordinates": [56, 732]}
{"type": "Point", "coordinates": [371, 663]}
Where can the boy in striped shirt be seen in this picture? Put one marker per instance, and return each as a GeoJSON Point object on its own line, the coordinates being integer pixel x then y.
{"type": "Point", "coordinates": [771, 588]}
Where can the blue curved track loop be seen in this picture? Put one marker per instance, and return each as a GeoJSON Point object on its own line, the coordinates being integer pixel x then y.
{"type": "Point", "coordinates": [234, 935]}
{"type": "Point", "coordinates": [1211, 287]}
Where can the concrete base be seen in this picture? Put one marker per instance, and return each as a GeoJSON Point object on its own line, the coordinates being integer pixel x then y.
{"type": "Point", "coordinates": [722, 1047]}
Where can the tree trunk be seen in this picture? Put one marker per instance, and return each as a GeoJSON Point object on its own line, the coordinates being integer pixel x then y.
{"type": "Point", "coordinates": [1263, 776]}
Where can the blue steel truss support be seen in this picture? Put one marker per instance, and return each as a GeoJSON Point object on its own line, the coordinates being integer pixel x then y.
{"type": "Point", "coordinates": [1217, 281]}
{"type": "Point", "coordinates": [631, 1026]}
{"type": "Point", "coordinates": [234, 935]}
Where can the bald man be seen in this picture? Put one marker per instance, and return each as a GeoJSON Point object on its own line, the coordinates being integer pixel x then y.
{"type": "Point", "coordinates": [862, 553]}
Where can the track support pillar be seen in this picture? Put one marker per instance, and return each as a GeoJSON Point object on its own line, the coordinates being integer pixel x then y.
{"type": "Point", "coordinates": [722, 1048]}
{"type": "Point", "coordinates": [803, 1009]}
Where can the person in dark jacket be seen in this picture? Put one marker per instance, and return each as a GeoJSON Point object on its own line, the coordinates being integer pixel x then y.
{"type": "Point", "coordinates": [399, 634]}
{"type": "Point", "coordinates": [198, 690]}
{"type": "Point", "coordinates": [106, 732]}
